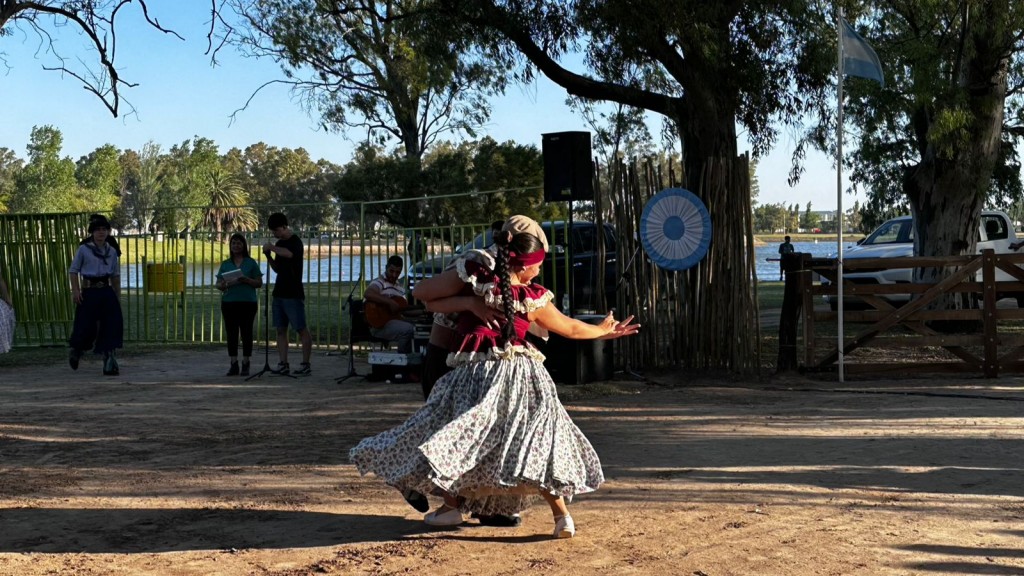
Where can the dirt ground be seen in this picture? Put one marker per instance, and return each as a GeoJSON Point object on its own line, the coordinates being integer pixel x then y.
{"type": "Point", "coordinates": [172, 469]}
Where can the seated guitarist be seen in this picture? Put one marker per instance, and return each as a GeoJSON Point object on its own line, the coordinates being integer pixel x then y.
{"type": "Point", "coordinates": [385, 300]}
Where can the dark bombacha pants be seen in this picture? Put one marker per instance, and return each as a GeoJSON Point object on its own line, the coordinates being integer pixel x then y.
{"type": "Point", "coordinates": [99, 323]}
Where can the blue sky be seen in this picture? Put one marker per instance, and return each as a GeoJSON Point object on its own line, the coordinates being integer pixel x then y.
{"type": "Point", "coordinates": [180, 95]}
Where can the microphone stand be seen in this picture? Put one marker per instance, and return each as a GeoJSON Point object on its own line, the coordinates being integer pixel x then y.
{"type": "Point", "coordinates": [266, 331]}
{"type": "Point", "coordinates": [623, 276]}
{"type": "Point", "coordinates": [351, 340]}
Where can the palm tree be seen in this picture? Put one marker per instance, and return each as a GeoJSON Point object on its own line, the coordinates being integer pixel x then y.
{"type": "Point", "coordinates": [228, 210]}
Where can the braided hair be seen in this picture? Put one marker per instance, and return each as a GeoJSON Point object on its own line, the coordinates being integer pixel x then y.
{"type": "Point", "coordinates": [522, 243]}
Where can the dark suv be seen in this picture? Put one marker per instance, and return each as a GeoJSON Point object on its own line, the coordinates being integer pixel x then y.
{"type": "Point", "coordinates": [584, 245]}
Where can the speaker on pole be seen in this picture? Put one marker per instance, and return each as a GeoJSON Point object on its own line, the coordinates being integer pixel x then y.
{"type": "Point", "coordinates": [568, 169]}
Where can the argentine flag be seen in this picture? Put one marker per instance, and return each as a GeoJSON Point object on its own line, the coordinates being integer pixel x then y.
{"type": "Point", "coordinates": [859, 58]}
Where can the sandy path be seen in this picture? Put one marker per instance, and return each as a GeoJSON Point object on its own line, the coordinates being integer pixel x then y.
{"type": "Point", "coordinates": [172, 469]}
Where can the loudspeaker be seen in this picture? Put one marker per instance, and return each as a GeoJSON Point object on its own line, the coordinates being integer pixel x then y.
{"type": "Point", "coordinates": [568, 169]}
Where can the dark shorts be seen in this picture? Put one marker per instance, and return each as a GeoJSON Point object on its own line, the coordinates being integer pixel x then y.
{"type": "Point", "coordinates": [290, 312]}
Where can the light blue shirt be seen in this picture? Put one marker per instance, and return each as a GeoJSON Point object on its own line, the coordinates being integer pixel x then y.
{"type": "Point", "coordinates": [93, 262]}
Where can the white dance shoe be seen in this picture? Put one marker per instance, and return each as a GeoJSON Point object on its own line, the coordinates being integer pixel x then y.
{"type": "Point", "coordinates": [452, 517]}
{"type": "Point", "coordinates": [564, 527]}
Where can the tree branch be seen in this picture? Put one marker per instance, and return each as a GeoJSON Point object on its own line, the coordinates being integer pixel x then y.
{"type": "Point", "coordinates": [491, 16]}
{"type": "Point", "coordinates": [102, 34]}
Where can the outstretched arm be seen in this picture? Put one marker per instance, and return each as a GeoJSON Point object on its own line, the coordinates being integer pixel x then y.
{"type": "Point", "coordinates": [551, 317]}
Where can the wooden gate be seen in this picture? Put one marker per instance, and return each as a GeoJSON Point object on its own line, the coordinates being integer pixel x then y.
{"type": "Point", "coordinates": [992, 344]}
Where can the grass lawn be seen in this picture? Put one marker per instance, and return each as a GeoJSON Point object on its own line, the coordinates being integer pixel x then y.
{"type": "Point", "coordinates": [769, 295]}
{"type": "Point", "coordinates": [154, 322]}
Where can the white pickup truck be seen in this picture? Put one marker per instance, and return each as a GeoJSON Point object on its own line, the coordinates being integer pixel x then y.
{"type": "Point", "coordinates": [895, 239]}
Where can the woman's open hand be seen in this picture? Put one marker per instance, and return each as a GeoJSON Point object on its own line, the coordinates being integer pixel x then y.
{"type": "Point", "coordinates": [493, 319]}
{"type": "Point", "coordinates": [618, 328]}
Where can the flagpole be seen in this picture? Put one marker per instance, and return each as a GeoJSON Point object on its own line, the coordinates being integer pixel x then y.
{"type": "Point", "coordinates": [840, 340]}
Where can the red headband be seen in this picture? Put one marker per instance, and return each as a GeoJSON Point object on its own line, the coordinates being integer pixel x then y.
{"type": "Point", "coordinates": [528, 259]}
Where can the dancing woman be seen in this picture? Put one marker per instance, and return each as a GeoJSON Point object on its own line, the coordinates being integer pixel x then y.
{"type": "Point", "coordinates": [493, 436]}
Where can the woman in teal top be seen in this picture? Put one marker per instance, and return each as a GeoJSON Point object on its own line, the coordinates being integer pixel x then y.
{"type": "Point", "coordinates": [238, 278]}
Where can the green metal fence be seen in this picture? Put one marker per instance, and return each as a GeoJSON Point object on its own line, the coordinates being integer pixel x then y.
{"type": "Point", "coordinates": [168, 284]}
{"type": "Point", "coordinates": [168, 280]}
{"type": "Point", "coordinates": [168, 291]}
{"type": "Point", "coordinates": [35, 254]}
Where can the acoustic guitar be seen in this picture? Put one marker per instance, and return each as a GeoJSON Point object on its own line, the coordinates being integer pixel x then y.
{"type": "Point", "coordinates": [378, 315]}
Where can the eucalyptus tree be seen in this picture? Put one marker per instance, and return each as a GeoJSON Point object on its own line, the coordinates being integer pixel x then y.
{"type": "Point", "coordinates": [96, 20]}
{"type": "Point", "coordinates": [99, 175]}
{"type": "Point", "coordinates": [184, 191]}
{"type": "Point", "coordinates": [771, 218]}
{"type": "Point", "coordinates": [251, 168]}
{"type": "Point", "coordinates": [707, 67]}
{"type": "Point", "coordinates": [374, 174]}
{"type": "Point", "coordinates": [809, 220]}
{"type": "Point", "coordinates": [518, 169]}
{"type": "Point", "coordinates": [942, 134]}
{"type": "Point", "coordinates": [389, 70]}
{"type": "Point", "coordinates": [47, 182]}
{"type": "Point", "coordinates": [143, 173]}
{"type": "Point", "coordinates": [285, 179]}
{"type": "Point", "coordinates": [10, 167]}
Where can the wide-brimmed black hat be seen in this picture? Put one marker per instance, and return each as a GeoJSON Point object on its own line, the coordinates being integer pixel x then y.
{"type": "Point", "coordinates": [98, 221]}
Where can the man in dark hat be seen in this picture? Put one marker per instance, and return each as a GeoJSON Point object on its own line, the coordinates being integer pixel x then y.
{"type": "Point", "coordinates": [96, 289]}
{"type": "Point", "coordinates": [111, 239]}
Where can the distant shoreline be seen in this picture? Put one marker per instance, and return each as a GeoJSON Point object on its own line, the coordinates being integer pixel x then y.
{"type": "Point", "coordinates": [762, 239]}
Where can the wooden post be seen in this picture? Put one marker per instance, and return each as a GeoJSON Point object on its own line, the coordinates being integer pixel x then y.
{"type": "Point", "coordinates": [789, 319]}
{"type": "Point", "coordinates": [806, 278]}
{"type": "Point", "coordinates": [181, 297]}
{"type": "Point", "coordinates": [988, 313]}
{"type": "Point", "coordinates": [145, 298]}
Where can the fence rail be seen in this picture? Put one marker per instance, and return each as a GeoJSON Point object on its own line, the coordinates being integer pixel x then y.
{"type": "Point", "coordinates": [989, 337]}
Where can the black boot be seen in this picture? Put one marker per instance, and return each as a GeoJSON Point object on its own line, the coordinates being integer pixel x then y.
{"type": "Point", "coordinates": [233, 371]}
{"type": "Point", "coordinates": [245, 368]}
{"type": "Point", "coordinates": [110, 367]}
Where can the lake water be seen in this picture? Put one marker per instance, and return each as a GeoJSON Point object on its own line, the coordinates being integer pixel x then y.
{"type": "Point", "coordinates": [769, 271]}
{"type": "Point", "coordinates": [345, 268]}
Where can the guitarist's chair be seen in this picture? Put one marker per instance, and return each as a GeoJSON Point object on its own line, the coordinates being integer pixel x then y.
{"type": "Point", "coordinates": [359, 331]}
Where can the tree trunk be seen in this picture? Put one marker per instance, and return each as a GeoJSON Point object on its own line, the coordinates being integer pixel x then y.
{"type": "Point", "coordinates": [947, 189]}
{"type": "Point", "coordinates": [719, 290]}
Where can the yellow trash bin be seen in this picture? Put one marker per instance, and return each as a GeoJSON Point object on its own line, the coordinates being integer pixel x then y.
{"type": "Point", "coordinates": [165, 278]}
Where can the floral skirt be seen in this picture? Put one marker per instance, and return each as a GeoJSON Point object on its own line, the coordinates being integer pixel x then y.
{"type": "Point", "coordinates": [6, 327]}
{"type": "Point", "coordinates": [493, 432]}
